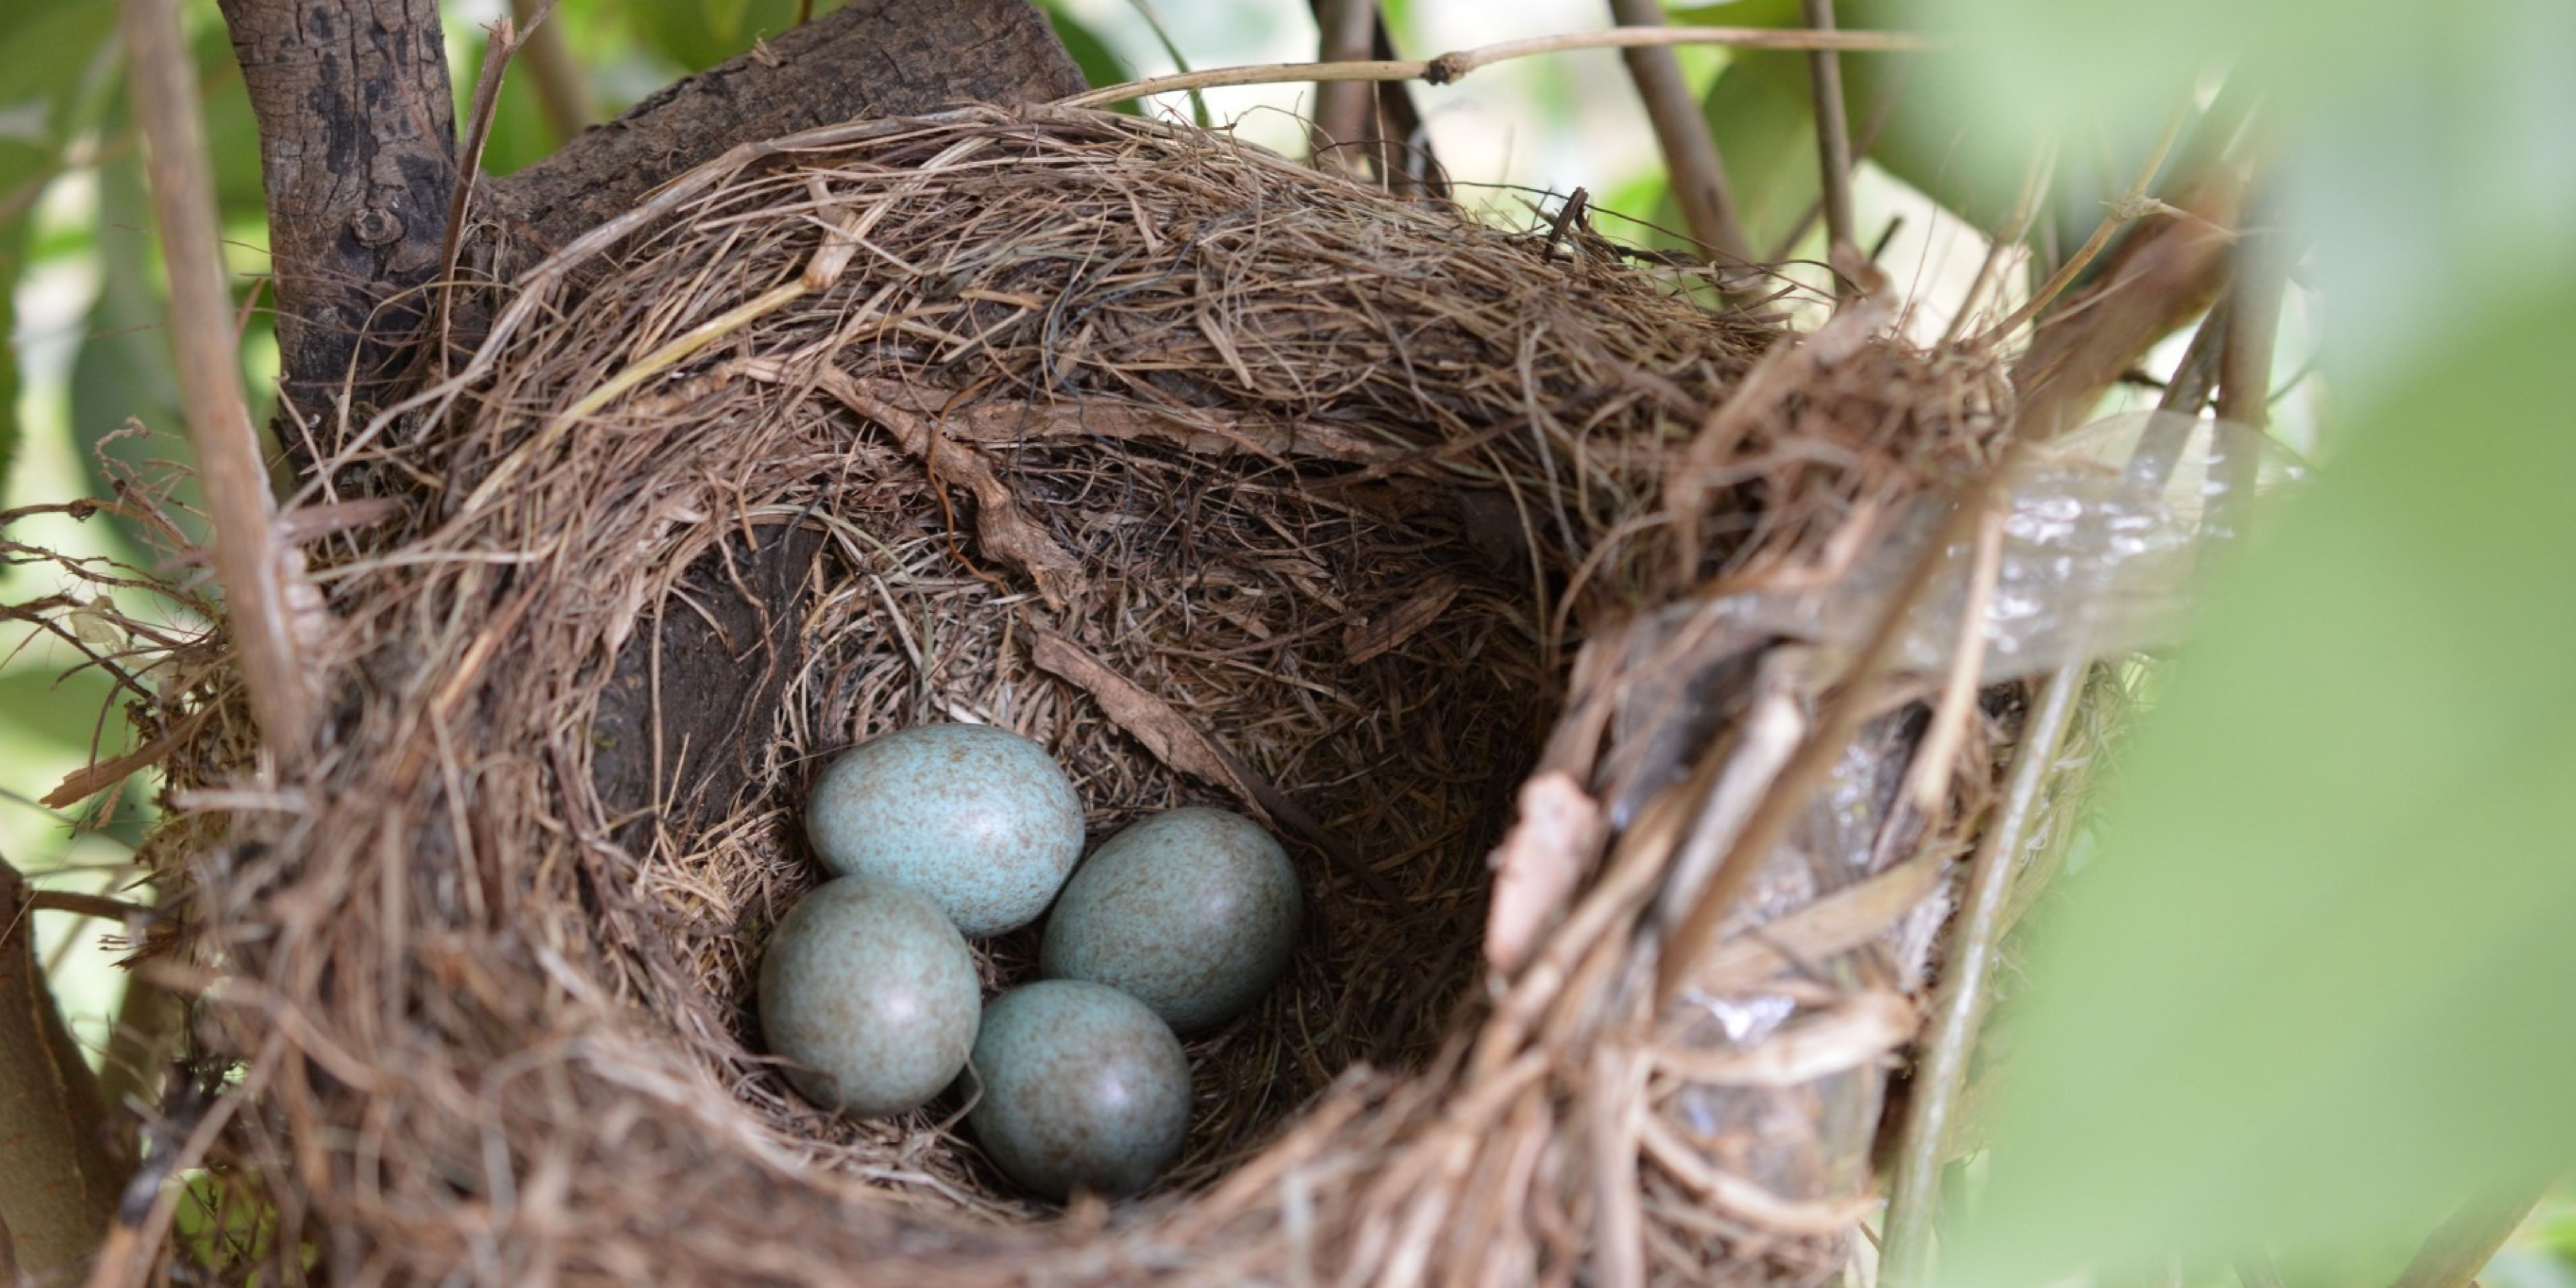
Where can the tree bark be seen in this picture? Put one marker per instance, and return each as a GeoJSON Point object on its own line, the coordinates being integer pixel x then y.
{"type": "Point", "coordinates": [871, 58]}
{"type": "Point", "coordinates": [59, 1183]}
{"type": "Point", "coordinates": [358, 147]}
{"type": "Point", "coordinates": [357, 151]}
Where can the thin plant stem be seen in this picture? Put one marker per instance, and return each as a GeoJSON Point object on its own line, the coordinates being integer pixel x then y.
{"type": "Point", "coordinates": [1989, 907]}
{"type": "Point", "coordinates": [1833, 141]}
{"type": "Point", "coordinates": [2132, 205]}
{"type": "Point", "coordinates": [2245, 360]}
{"type": "Point", "coordinates": [2026, 203]}
{"type": "Point", "coordinates": [1691, 159]}
{"type": "Point", "coordinates": [1343, 108]}
{"type": "Point", "coordinates": [1450, 67]}
{"type": "Point", "coordinates": [2467, 1239]}
{"type": "Point", "coordinates": [252, 570]}
{"type": "Point", "coordinates": [1959, 1007]}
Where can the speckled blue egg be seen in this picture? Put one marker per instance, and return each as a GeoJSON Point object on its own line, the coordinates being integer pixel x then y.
{"type": "Point", "coordinates": [1192, 912]}
{"type": "Point", "coordinates": [980, 820]}
{"type": "Point", "coordinates": [1082, 1087]}
{"type": "Point", "coordinates": [870, 996]}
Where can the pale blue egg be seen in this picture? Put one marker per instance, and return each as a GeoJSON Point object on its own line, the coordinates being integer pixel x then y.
{"type": "Point", "coordinates": [980, 820]}
{"type": "Point", "coordinates": [1193, 912]}
{"type": "Point", "coordinates": [870, 996]}
{"type": "Point", "coordinates": [1081, 1088]}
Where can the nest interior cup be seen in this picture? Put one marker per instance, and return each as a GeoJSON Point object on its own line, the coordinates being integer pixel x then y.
{"type": "Point", "coordinates": [1228, 483]}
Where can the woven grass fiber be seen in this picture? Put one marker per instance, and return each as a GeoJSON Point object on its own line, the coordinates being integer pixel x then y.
{"type": "Point", "coordinates": [1231, 483]}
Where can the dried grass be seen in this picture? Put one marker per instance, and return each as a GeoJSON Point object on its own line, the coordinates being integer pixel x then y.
{"type": "Point", "coordinates": [1230, 482]}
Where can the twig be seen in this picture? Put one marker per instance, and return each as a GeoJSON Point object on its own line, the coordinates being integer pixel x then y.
{"type": "Point", "coordinates": [2467, 1239]}
{"type": "Point", "coordinates": [1991, 904]}
{"type": "Point", "coordinates": [1880, 110]}
{"type": "Point", "coordinates": [137, 1052]}
{"type": "Point", "coordinates": [1697, 934]}
{"type": "Point", "coordinates": [252, 573]}
{"type": "Point", "coordinates": [2245, 362]}
{"type": "Point", "coordinates": [2016, 226]}
{"type": "Point", "coordinates": [1343, 108]}
{"type": "Point", "coordinates": [80, 904]}
{"type": "Point", "coordinates": [501, 42]}
{"type": "Point", "coordinates": [1833, 142]}
{"type": "Point", "coordinates": [563, 93]}
{"type": "Point", "coordinates": [1691, 159]}
{"type": "Point", "coordinates": [1927, 780]}
{"type": "Point", "coordinates": [2133, 204]}
{"type": "Point", "coordinates": [1452, 66]}
{"type": "Point", "coordinates": [1959, 1006]}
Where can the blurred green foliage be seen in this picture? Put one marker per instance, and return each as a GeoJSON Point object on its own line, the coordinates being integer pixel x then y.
{"type": "Point", "coordinates": [2313, 987]}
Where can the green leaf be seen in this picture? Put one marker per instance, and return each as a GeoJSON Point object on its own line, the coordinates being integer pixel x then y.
{"type": "Point", "coordinates": [46, 59]}
{"type": "Point", "coordinates": [2313, 987]}
{"type": "Point", "coordinates": [2423, 147]}
{"type": "Point", "coordinates": [59, 711]}
{"type": "Point", "coordinates": [1762, 115]}
{"type": "Point", "coordinates": [699, 35]}
{"type": "Point", "coordinates": [1100, 65]}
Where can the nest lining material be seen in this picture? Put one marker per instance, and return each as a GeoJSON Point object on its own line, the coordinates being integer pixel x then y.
{"type": "Point", "coordinates": [1229, 482]}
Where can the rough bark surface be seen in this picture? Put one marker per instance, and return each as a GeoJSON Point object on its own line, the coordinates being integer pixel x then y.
{"type": "Point", "coordinates": [357, 151]}
{"type": "Point", "coordinates": [58, 1179]}
{"type": "Point", "coordinates": [871, 58]}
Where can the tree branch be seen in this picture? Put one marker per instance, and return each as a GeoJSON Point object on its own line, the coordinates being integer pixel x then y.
{"type": "Point", "coordinates": [862, 60]}
{"type": "Point", "coordinates": [58, 1190]}
{"type": "Point", "coordinates": [1691, 160]}
{"type": "Point", "coordinates": [1833, 142]}
{"type": "Point", "coordinates": [357, 145]}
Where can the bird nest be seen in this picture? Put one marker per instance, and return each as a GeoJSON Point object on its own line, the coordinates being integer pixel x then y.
{"type": "Point", "coordinates": [1229, 482]}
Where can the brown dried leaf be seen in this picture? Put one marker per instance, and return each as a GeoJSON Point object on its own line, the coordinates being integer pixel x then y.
{"type": "Point", "coordinates": [1369, 639]}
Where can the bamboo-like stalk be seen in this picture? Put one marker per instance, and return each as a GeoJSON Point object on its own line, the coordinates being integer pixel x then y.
{"type": "Point", "coordinates": [246, 558]}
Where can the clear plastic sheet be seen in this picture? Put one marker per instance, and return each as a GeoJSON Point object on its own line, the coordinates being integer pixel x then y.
{"type": "Point", "coordinates": [2105, 534]}
{"type": "Point", "coordinates": [2105, 531]}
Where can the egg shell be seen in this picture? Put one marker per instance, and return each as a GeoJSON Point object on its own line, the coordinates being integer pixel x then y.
{"type": "Point", "coordinates": [1193, 912]}
{"type": "Point", "coordinates": [1081, 1086]}
{"type": "Point", "coordinates": [981, 820]}
{"type": "Point", "coordinates": [871, 996]}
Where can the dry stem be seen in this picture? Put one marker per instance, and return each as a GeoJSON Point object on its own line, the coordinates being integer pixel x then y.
{"type": "Point", "coordinates": [1833, 141]}
{"type": "Point", "coordinates": [1343, 108]}
{"type": "Point", "coordinates": [1958, 1009]}
{"type": "Point", "coordinates": [1451, 66]}
{"type": "Point", "coordinates": [256, 575]}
